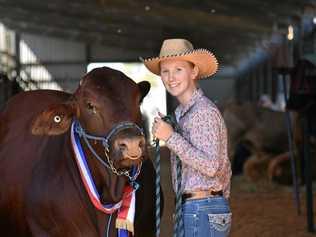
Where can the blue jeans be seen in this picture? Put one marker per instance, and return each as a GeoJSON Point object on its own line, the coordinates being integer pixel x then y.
{"type": "Point", "coordinates": [208, 217]}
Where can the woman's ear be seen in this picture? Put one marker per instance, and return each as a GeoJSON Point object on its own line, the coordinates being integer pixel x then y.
{"type": "Point", "coordinates": [195, 72]}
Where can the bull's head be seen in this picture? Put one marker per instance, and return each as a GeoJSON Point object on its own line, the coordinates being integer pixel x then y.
{"type": "Point", "coordinates": [105, 99]}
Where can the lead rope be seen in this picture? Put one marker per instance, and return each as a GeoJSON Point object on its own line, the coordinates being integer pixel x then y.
{"type": "Point", "coordinates": [157, 166]}
{"type": "Point", "coordinates": [108, 226]}
{"type": "Point", "coordinates": [178, 230]}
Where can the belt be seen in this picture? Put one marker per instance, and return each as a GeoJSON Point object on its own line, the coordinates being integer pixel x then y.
{"type": "Point", "coordinates": [200, 194]}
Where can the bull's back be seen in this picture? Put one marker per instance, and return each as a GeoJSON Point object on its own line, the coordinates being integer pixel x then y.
{"type": "Point", "coordinates": [26, 104]}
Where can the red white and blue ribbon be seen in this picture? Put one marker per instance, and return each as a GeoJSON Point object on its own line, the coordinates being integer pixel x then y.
{"type": "Point", "coordinates": [125, 216]}
{"type": "Point", "coordinates": [125, 208]}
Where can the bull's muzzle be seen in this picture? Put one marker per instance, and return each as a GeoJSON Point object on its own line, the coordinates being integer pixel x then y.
{"type": "Point", "coordinates": [131, 148]}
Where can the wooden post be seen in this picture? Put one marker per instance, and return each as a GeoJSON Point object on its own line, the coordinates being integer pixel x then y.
{"type": "Point", "coordinates": [17, 55]}
{"type": "Point", "coordinates": [308, 175]}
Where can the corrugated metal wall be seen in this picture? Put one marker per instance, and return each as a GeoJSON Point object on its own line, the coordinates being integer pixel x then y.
{"type": "Point", "coordinates": [52, 63]}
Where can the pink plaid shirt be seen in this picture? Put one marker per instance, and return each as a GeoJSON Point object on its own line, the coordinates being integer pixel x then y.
{"type": "Point", "coordinates": [202, 147]}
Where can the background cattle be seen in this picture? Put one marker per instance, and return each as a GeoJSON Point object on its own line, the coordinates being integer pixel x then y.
{"type": "Point", "coordinates": [258, 142]}
{"type": "Point", "coordinates": [256, 135]}
{"type": "Point", "coordinates": [8, 88]}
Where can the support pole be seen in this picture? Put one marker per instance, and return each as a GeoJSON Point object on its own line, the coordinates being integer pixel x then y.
{"type": "Point", "coordinates": [290, 141]}
{"type": "Point", "coordinates": [308, 175]}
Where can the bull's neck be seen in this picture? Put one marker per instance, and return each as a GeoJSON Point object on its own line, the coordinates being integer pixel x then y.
{"type": "Point", "coordinates": [109, 185]}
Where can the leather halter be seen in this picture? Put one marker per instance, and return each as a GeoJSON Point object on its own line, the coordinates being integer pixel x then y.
{"type": "Point", "coordinates": [105, 143]}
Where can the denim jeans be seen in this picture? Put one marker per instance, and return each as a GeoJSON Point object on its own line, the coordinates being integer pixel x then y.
{"type": "Point", "coordinates": [209, 217]}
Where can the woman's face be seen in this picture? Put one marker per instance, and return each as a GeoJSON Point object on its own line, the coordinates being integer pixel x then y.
{"type": "Point", "coordinates": [179, 78]}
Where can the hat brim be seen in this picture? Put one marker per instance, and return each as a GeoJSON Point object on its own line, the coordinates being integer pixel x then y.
{"type": "Point", "coordinates": [202, 58]}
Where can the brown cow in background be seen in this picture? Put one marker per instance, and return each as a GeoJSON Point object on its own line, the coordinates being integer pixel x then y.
{"type": "Point", "coordinates": [256, 135]}
{"type": "Point", "coordinates": [258, 142]}
{"type": "Point", "coordinates": [8, 88]}
{"type": "Point", "coordinates": [41, 192]}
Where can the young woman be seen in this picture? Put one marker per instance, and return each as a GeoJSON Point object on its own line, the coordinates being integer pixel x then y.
{"type": "Point", "coordinates": [201, 145]}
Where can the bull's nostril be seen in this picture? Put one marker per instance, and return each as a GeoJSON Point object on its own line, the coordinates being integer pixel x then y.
{"type": "Point", "coordinates": [122, 146]}
{"type": "Point", "coordinates": [142, 142]}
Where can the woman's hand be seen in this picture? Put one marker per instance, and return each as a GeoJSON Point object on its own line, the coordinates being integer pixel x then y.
{"type": "Point", "coordinates": [161, 130]}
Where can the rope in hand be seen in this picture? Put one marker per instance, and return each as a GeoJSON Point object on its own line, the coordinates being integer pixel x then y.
{"type": "Point", "coordinates": [178, 230]}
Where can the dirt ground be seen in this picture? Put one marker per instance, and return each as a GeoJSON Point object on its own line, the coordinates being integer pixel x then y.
{"type": "Point", "coordinates": [259, 210]}
{"type": "Point", "coordinates": [267, 210]}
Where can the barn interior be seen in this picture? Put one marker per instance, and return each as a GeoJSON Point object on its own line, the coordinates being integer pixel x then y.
{"type": "Point", "coordinates": [51, 45]}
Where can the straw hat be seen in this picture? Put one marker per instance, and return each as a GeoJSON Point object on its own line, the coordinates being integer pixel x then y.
{"type": "Point", "coordinates": [182, 49]}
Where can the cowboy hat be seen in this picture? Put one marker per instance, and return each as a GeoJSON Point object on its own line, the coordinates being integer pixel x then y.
{"type": "Point", "coordinates": [182, 49]}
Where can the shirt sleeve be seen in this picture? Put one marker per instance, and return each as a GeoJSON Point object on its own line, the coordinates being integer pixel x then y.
{"type": "Point", "coordinates": [203, 151]}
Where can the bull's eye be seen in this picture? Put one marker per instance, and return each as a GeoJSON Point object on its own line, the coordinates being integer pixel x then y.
{"type": "Point", "coordinates": [91, 107]}
{"type": "Point", "coordinates": [57, 119]}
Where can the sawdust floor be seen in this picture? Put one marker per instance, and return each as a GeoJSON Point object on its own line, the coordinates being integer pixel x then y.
{"type": "Point", "coordinates": [267, 210]}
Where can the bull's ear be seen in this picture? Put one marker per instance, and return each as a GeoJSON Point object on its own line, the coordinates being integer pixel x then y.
{"type": "Point", "coordinates": [144, 87]}
{"type": "Point", "coordinates": [55, 120]}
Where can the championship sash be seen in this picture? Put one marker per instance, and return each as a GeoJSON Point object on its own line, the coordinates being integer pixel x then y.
{"type": "Point", "coordinates": [125, 208]}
